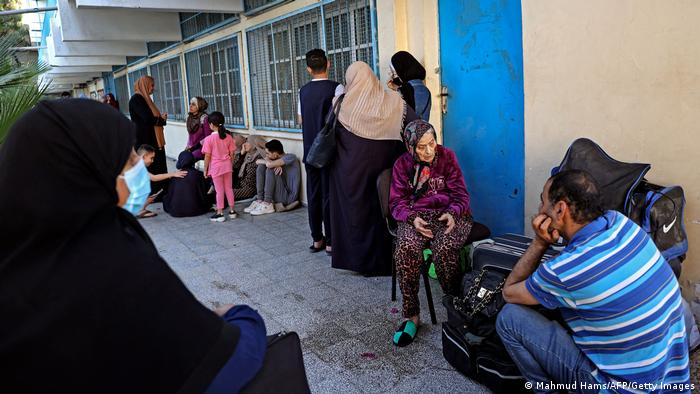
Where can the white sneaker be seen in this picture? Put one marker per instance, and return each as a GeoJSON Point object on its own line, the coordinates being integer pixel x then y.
{"type": "Point", "coordinates": [263, 208]}
{"type": "Point", "coordinates": [252, 206]}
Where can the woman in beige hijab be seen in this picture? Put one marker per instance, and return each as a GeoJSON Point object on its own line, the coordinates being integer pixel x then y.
{"type": "Point", "coordinates": [149, 123]}
{"type": "Point", "coordinates": [368, 135]}
{"type": "Point", "coordinates": [244, 167]}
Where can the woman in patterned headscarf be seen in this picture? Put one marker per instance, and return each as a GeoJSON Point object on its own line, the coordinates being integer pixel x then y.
{"type": "Point", "coordinates": [197, 126]}
{"type": "Point", "coordinates": [245, 169]}
{"type": "Point", "coordinates": [429, 200]}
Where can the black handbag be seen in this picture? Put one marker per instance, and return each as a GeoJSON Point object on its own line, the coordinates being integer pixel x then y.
{"type": "Point", "coordinates": [283, 369]}
{"type": "Point", "coordinates": [323, 148]}
{"type": "Point", "coordinates": [480, 302]}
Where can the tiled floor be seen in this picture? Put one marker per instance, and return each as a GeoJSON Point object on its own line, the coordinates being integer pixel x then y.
{"type": "Point", "coordinates": [345, 320]}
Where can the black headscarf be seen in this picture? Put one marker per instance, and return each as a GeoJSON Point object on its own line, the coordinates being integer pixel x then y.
{"type": "Point", "coordinates": [408, 69]}
{"type": "Point", "coordinates": [87, 304]}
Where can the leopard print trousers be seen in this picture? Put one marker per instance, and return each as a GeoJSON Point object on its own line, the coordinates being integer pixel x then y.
{"type": "Point", "coordinates": [408, 256]}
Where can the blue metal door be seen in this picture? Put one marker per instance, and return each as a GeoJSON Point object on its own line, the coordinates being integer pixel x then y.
{"type": "Point", "coordinates": [482, 78]}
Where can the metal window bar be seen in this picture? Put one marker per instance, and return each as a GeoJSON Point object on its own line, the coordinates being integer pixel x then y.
{"type": "Point", "coordinates": [254, 7]}
{"type": "Point", "coordinates": [134, 76]}
{"type": "Point", "coordinates": [122, 93]}
{"type": "Point", "coordinates": [214, 73]}
{"type": "Point", "coordinates": [276, 54]}
{"type": "Point", "coordinates": [157, 46]}
{"type": "Point", "coordinates": [193, 23]}
{"type": "Point", "coordinates": [168, 95]}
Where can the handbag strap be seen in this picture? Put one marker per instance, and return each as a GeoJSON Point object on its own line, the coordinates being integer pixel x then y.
{"type": "Point", "coordinates": [336, 110]}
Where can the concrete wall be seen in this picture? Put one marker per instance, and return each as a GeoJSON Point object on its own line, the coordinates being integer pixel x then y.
{"type": "Point", "coordinates": [412, 25]}
{"type": "Point", "coordinates": [624, 73]}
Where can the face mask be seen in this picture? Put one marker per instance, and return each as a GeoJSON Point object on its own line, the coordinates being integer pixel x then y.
{"type": "Point", "coordinates": [139, 183]}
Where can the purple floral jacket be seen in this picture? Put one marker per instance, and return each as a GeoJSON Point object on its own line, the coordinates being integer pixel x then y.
{"type": "Point", "coordinates": [198, 138]}
{"type": "Point", "coordinates": [446, 189]}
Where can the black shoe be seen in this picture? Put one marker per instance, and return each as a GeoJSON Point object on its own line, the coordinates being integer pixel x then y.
{"type": "Point", "coordinates": [217, 217]}
{"type": "Point", "coordinates": [314, 249]}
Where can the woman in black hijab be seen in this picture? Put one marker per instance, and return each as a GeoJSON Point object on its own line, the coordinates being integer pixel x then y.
{"type": "Point", "coordinates": [187, 196]}
{"type": "Point", "coordinates": [408, 78]}
{"type": "Point", "coordinates": [87, 304]}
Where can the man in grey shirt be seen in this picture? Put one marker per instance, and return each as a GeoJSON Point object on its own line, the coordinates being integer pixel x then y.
{"type": "Point", "coordinates": [278, 180]}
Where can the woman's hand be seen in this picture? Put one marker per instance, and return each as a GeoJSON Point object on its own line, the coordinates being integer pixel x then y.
{"type": "Point", "coordinates": [164, 115]}
{"type": "Point", "coordinates": [278, 171]}
{"type": "Point", "coordinates": [447, 217]}
{"type": "Point", "coordinates": [179, 174]}
{"type": "Point", "coordinates": [221, 310]}
{"type": "Point", "coordinates": [261, 162]}
{"type": "Point", "coordinates": [422, 227]}
{"type": "Point", "coordinates": [391, 85]}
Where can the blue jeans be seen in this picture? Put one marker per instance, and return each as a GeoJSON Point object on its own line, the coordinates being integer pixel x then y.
{"type": "Point", "coordinates": [543, 350]}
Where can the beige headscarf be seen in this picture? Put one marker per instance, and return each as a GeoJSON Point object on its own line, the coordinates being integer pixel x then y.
{"type": "Point", "coordinates": [368, 110]}
{"type": "Point", "coordinates": [258, 152]}
{"type": "Point", "coordinates": [141, 87]}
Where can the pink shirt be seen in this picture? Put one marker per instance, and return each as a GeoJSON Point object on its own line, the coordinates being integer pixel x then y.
{"type": "Point", "coordinates": [221, 152]}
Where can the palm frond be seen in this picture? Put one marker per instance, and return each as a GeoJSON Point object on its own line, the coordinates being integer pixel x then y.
{"type": "Point", "coordinates": [15, 101]}
{"type": "Point", "coordinates": [20, 87]}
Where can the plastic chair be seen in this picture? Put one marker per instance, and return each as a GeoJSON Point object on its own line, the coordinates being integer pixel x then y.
{"type": "Point", "coordinates": [478, 233]}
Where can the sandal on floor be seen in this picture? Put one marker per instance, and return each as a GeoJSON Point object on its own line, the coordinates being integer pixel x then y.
{"type": "Point", "coordinates": [405, 334]}
{"type": "Point", "coordinates": [146, 214]}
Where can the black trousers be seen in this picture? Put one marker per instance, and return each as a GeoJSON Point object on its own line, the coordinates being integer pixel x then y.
{"type": "Point", "coordinates": [318, 203]}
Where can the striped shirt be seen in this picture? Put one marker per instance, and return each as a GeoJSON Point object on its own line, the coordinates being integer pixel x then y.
{"type": "Point", "coordinates": [622, 302]}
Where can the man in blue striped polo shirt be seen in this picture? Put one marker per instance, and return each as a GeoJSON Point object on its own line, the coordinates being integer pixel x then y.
{"type": "Point", "coordinates": [616, 293]}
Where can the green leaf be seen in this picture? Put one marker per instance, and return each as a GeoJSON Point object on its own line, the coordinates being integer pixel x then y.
{"type": "Point", "coordinates": [20, 88]}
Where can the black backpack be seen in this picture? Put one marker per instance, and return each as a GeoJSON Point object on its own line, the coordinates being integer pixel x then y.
{"type": "Point", "coordinates": [657, 209]}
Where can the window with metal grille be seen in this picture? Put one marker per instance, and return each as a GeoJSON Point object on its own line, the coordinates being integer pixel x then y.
{"type": "Point", "coordinates": [157, 46]}
{"type": "Point", "coordinates": [276, 55]}
{"type": "Point", "coordinates": [193, 23]}
{"type": "Point", "coordinates": [214, 73]}
{"type": "Point", "coordinates": [254, 7]}
{"type": "Point", "coordinates": [122, 93]}
{"type": "Point", "coordinates": [168, 95]}
{"type": "Point", "coordinates": [349, 36]}
{"type": "Point", "coordinates": [135, 75]}
{"type": "Point", "coordinates": [134, 59]}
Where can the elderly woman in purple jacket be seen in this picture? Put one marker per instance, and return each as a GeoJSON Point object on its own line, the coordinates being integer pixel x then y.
{"type": "Point", "coordinates": [429, 200]}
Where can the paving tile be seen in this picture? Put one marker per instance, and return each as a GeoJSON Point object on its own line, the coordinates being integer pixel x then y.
{"type": "Point", "coordinates": [345, 321]}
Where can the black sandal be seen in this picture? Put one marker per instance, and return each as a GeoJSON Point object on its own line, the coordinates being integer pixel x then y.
{"type": "Point", "coordinates": [314, 249]}
{"type": "Point", "coordinates": [405, 334]}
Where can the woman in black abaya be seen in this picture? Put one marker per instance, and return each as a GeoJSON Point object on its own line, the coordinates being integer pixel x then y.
{"type": "Point", "coordinates": [87, 304]}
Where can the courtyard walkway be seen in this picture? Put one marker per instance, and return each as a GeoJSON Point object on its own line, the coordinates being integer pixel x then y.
{"type": "Point", "coordinates": [345, 321]}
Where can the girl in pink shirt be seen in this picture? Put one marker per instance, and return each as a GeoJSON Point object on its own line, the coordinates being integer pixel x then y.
{"type": "Point", "coordinates": [218, 149]}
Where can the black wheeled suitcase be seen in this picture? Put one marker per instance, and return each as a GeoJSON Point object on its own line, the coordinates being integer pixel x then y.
{"type": "Point", "coordinates": [469, 342]}
{"type": "Point", "coordinates": [504, 251]}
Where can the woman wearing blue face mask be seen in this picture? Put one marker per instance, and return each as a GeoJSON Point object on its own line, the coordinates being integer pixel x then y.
{"type": "Point", "coordinates": [87, 304]}
{"type": "Point", "coordinates": [133, 184]}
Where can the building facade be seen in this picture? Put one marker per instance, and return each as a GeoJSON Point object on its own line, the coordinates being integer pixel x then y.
{"type": "Point", "coordinates": [513, 82]}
